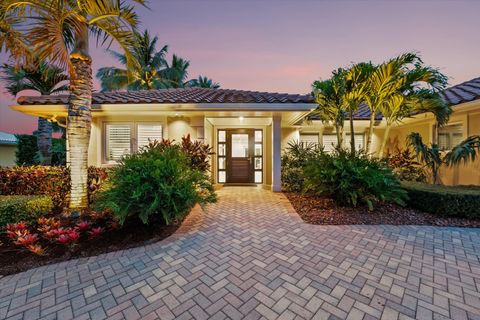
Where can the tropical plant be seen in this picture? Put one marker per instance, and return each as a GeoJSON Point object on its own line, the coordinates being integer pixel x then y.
{"type": "Point", "coordinates": [404, 86]}
{"type": "Point", "coordinates": [203, 82]}
{"type": "Point", "coordinates": [352, 179]}
{"type": "Point", "coordinates": [145, 75]}
{"type": "Point", "coordinates": [44, 78]}
{"type": "Point", "coordinates": [58, 31]}
{"type": "Point", "coordinates": [434, 158]}
{"type": "Point", "coordinates": [176, 72]}
{"type": "Point", "coordinates": [406, 166]}
{"type": "Point", "coordinates": [330, 97]}
{"type": "Point", "coordinates": [156, 185]}
{"type": "Point", "coordinates": [294, 159]}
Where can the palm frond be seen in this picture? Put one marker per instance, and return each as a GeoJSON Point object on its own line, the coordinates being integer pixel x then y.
{"type": "Point", "coordinates": [465, 151]}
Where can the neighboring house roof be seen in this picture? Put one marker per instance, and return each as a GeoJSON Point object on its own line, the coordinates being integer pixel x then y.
{"type": "Point", "coordinates": [182, 95]}
{"type": "Point", "coordinates": [463, 92]}
{"type": "Point", "coordinates": [7, 138]}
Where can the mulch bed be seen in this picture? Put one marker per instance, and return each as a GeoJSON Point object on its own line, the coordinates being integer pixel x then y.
{"type": "Point", "coordinates": [15, 259]}
{"type": "Point", "coordinates": [324, 211]}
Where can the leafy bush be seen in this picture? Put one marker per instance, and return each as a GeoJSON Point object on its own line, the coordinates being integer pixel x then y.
{"type": "Point", "coordinates": [405, 166]}
{"type": "Point", "coordinates": [156, 185]}
{"type": "Point", "coordinates": [14, 209]}
{"type": "Point", "coordinates": [461, 201]}
{"type": "Point", "coordinates": [352, 179]}
{"type": "Point", "coordinates": [27, 153]}
{"type": "Point", "coordinates": [46, 180]}
{"type": "Point", "coordinates": [294, 160]}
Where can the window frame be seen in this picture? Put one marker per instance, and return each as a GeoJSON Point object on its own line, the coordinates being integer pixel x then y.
{"type": "Point", "coordinates": [450, 146]}
{"type": "Point", "coordinates": [133, 136]}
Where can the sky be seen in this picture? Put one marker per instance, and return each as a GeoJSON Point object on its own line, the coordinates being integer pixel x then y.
{"type": "Point", "coordinates": [283, 46]}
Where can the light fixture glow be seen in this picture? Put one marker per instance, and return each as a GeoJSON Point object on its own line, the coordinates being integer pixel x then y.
{"type": "Point", "coordinates": [240, 118]}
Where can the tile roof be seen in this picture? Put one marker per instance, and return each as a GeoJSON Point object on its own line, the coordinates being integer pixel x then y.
{"type": "Point", "coordinates": [463, 92]}
{"type": "Point", "coordinates": [7, 138]}
{"type": "Point", "coordinates": [363, 113]}
{"type": "Point", "coordinates": [183, 95]}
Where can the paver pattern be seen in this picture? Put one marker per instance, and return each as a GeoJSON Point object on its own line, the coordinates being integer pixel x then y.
{"type": "Point", "coordinates": [251, 257]}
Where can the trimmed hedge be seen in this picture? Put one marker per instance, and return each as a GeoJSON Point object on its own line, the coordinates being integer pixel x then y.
{"type": "Point", "coordinates": [460, 201]}
{"type": "Point", "coordinates": [14, 209]}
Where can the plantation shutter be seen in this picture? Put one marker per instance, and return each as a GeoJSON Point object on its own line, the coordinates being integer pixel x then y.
{"type": "Point", "coordinates": [148, 132]}
{"type": "Point", "coordinates": [118, 138]}
{"type": "Point", "coordinates": [307, 139]}
{"type": "Point", "coordinates": [359, 141]}
{"type": "Point", "coordinates": [450, 136]}
{"type": "Point", "coordinates": [329, 142]}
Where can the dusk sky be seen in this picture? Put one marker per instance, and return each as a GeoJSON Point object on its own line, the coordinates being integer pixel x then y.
{"type": "Point", "coordinates": [282, 46]}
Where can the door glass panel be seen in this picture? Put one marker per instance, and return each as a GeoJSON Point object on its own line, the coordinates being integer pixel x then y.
{"type": "Point", "coordinates": [258, 136]}
{"type": "Point", "coordinates": [258, 176]}
{"type": "Point", "coordinates": [258, 149]}
{"type": "Point", "coordinates": [221, 176]}
{"type": "Point", "coordinates": [239, 145]}
{"type": "Point", "coordinates": [221, 150]}
{"type": "Point", "coordinates": [221, 163]}
{"type": "Point", "coordinates": [221, 136]}
{"type": "Point", "coordinates": [258, 163]}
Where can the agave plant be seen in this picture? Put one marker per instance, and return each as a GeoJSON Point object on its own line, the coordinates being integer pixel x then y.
{"type": "Point", "coordinates": [434, 158]}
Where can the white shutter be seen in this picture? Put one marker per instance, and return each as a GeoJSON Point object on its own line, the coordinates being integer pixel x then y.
{"type": "Point", "coordinates": [309, 138]}
{"type": "Point", "coordinates": [118, 141]}
{"type": "Point", "coordinates": [329, 142]}
{"type": "Point", "coordinates": [359, 141]}
{"type": "Point", "coordinates": [148, 132]}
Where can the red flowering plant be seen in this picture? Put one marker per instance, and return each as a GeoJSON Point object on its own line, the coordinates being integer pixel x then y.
{"type": "Point", "coordinates": [83, 225]}
{"type": "Point", "coordinates": [96, 232]}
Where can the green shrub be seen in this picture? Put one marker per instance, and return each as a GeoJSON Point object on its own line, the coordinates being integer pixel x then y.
{"type": "Point", "coordinates": [23, 208]}
{"type": "Point", "coordinates": [294, 160]}
{"type": "Point", "coordinates": [27, 150]}
{"type": "Point", "coordinates": [461, 201]}
{"type": "Point", "coordinates": [156, 185]}
{"type": "Point", "coordinates": [406, 167]}
{"type": "Point", "coordinates": [352, 180]}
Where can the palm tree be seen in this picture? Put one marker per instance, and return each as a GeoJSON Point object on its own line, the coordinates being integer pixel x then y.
{"type": "Point", "coordinates": [58, 31]}
{"type": "Point", "coordinates": [355, 93]}
{"type": "Point", "coordinates": [330, 97]}
{"type": "Point", "coordinates": [145, 75]}
{"type": "Point", "coordinates": [203, 82]}
{"type": "Point", "coordinates": [433, 158]}
{"type": "Point", "coordinates": [176, 72]}
{"type": "Point", "coordinates": [412, 88]}
{"type": "Point", "coordinates": [45, 79]}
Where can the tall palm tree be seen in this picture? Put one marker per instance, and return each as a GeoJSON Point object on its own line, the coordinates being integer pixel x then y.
{"type": "Point", "coordinates": [58, 31]}
{"type": "Point", "coordinates": [45, 79]}
{"type": "Point", "coordinates": [203, 82]}
{"type": "Point", "coordinates": [176, 72]}
{"type": "Point", "coordinates": [412, 88]}
{"type": "Point", "coordinates": [145, 75]}
{"type": "Point", "coordinates": [330, 97]}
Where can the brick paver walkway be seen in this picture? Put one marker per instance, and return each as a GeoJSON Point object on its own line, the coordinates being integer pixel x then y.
{"type": "Point", "coordinates": [249, 257]}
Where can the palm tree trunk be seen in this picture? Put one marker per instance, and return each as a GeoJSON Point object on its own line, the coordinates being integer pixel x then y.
{"type": "Point", "coordinates": [339, 132]}
{"type": "Point", "coordinates": [44, 141]}
{"type": "Point", "coordinates": [384, 142]}
{"type": "Point", "coordinates": [352, 134]}
{"type": "Point", "coordinates": [368, 146]}
{"type": "Point", "coordinates": [79, 120]}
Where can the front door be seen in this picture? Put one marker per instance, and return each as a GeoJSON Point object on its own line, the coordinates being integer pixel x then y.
{"type": "Point", "coordinates": [240, 156]}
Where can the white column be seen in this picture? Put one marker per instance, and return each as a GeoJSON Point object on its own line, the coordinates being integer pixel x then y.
{"type": "Point", "coordinates": [276, 153]}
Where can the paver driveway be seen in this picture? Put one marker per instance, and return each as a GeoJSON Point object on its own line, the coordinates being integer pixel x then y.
{"type": "Point", "coordinates": [250, 256]}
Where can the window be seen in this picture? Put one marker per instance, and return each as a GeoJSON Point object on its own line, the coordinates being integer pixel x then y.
{"type": "Point", "coordinates": [359, 141]}
{"type": "Point", "coordinates": [307, 139]}
{"type": "Point", "coordinates": [120, 141]}
{"type": "Point", "coordinates": [450, 136]}
{"type": "Point", "coordinates": [329, 142]}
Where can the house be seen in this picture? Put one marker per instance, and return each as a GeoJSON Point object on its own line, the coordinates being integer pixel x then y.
{"type": "Point", "coordinates": [8, 147]}
{"type": "Point", "coordinates": [247, 129]}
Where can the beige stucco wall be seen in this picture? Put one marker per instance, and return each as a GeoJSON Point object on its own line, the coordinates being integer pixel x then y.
{"type": "Point", "coordinates": [289, 135]}
{"type": "Point", "coordinates": [7, 155]}
{"type": "Point", "coordinates": [469, 118]}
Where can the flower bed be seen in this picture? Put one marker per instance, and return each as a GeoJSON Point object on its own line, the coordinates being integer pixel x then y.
{"type": "Point", "coordinates": [324, 211]}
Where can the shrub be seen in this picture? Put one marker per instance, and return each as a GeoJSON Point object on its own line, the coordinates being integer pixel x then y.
{"type": "Point", "coordinates": [294, 160]}
{"type": "Point", "coordinates": [405, 166]}
{"type": "Point", "coordinates": [46, 180]}
{"type": "Point", "coordinates": [14, 209]}
{"type": "Point", "coordinates": [352, 179]}
{"type": "Point", "coordinates": [27, 150]}
{"type": "Point", "coordinates": [461, 201]}
{"type": "Point", "coordinates": [156, 185]}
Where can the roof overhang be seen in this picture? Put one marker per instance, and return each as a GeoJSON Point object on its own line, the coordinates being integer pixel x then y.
{"type": "Point", "coordinates": [291, 112]}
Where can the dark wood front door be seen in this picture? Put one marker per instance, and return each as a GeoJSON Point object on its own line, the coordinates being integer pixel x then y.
{"type": "Point", "coordinates": [240, 154]}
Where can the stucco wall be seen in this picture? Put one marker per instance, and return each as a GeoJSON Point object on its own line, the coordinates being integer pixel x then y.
{"type": "Point", "coordinates": [289, 135]}
{"type": "Point", "coordinates": [470, 119]}
{"type": "Point", "coordinates": [7, 155]}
